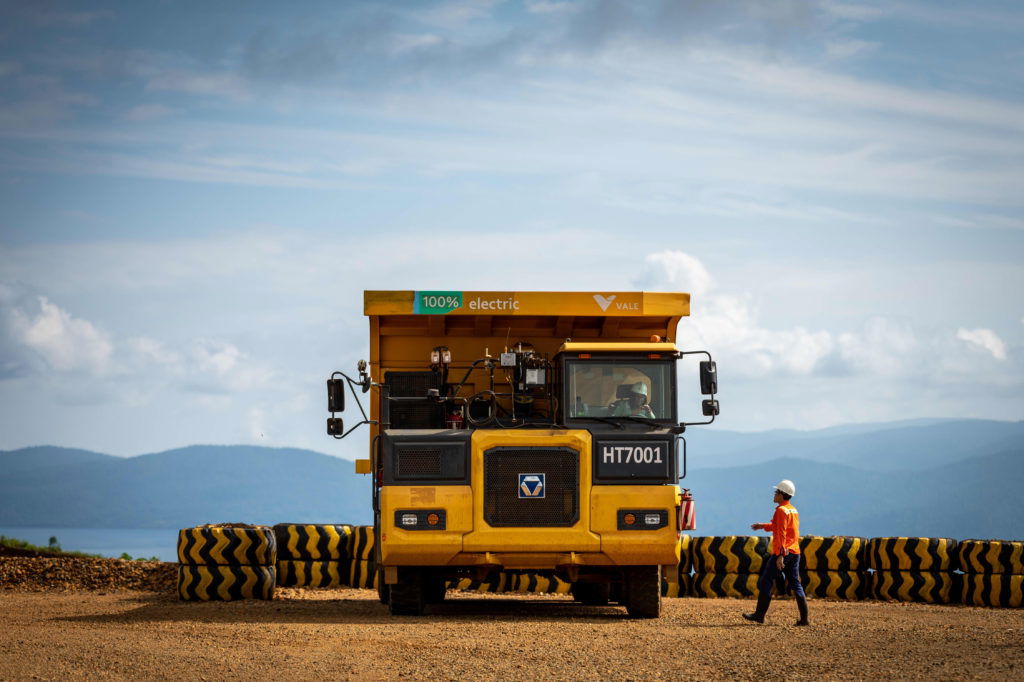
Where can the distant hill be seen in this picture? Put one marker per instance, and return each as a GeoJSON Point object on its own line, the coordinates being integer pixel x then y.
{"type": "Point", "coordinates": [188, 486]}
{"type": "Point", "coordinates": [958, 478]}
{"type": "Point", "coordinates": [899, 446]}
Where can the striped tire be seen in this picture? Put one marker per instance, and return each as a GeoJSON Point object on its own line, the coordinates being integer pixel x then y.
{"type": "Point", "coordinates": [685, 554]}
{"type": "Point", "coordinates": [297, 573]}
{"type": "Point", "coordinates": [681, 588]}
{"type": "Point", "coordinates": [225, 582]}
{"type": "Point", "coordinates": [849, 585]}
{"type": "Point", "coordinates": [991, 556]}
{"type": "Point", "coordinates": [833, 553]}
{"type": "Point", "coordinates": [541, 582]}
{"type": "Point", "coordinates": [993, 589]}
{"type": "Point", "coordinates": [361, 543]}
{"type": "Point", "coordinates": [362, 558]}
{"type": "Point", "coordinates": [724, 585]}
{"type": "Point", "coordinates": [931, 587]}
{"type": "Point", "coordinates": [362, 574]}
{"type": "Point", "coordinates": [912, 554]}
{"type": "Point", "coordinates": [215, 545]}
{"type": "Point", "coordinates": [729, 554]}
{"type": "Point", "coordinates": [312, 542]}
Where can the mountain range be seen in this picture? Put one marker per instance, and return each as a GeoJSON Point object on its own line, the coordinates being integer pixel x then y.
{"type": "Point", "coordinates": [952, 478]}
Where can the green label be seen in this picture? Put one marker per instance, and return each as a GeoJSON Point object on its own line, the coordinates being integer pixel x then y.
{"type": "Point", "coordinates": [436, 302]}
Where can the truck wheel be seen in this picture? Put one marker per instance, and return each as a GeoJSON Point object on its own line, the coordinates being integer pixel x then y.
{"type": "Point", "coordinates": [434, 589]}
{"type": "Point", "coordinates": [383, 591]}
{"type": "Point", "coordinates": [591, 594]}
{"type": "Point", "coordinates": [406, 596]}
{"type": "Point", "coordinates": [643, 591]}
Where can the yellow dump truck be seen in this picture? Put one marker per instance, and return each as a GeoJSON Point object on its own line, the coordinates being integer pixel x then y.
{"type": "Point", "coordinates": [523, 430]}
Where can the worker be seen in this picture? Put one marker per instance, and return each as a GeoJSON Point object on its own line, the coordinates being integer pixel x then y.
{"type": "Point", "coordinates": [784, 555]}
{"type": "Point", "coordinates": [635, 405]}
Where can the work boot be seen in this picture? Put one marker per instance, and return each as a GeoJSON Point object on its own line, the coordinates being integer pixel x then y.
{"type": "Point", "coordinates": [801, 604]}
{"type": "Point", "coordinates": [763, 600]}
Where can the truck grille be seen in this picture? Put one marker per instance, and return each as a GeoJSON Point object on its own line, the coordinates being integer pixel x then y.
{"type": "Point", "coordinates": [503, 505]}
{"type": "Point", "coordinates": [418, 462]}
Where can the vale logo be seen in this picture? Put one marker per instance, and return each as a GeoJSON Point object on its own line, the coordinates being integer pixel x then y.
{"type": "Point", "coordinates": [531, 486]}
{"type": "Point", "coordinates": [604, 302]}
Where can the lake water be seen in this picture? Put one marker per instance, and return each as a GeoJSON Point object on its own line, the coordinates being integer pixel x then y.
{"type": "Point", "coordinates": [111, 542]}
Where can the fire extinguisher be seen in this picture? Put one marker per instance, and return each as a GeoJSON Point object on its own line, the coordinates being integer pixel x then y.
{"type": "Point", "coordinates": [455, 419]}
{"type": "Point", "coordinates": [686, 513]}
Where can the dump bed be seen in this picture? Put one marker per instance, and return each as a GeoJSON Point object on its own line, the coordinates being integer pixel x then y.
{"type": "Point", "coordinates": [406, 325]}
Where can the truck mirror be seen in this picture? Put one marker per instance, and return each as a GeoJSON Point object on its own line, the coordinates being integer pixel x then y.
{"type": "Point", "coordinates": [708, 378]}
{"type": "Point", "coordinates": [335, 395]}
{"type": "Point", "coordinates": [709, 408]}
{"type": "Point", "coordinates": [335, 427]}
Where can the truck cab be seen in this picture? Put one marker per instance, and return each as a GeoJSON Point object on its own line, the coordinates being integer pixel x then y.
{"type": "Point", "coordinates": [535, 431]}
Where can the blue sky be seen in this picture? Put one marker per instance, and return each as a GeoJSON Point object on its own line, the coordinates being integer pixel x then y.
{"type": "Point", "coordinates": [194, 196]}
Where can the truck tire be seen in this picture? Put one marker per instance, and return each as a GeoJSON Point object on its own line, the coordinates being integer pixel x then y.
{"type": "Point", "coordinates": [643, 591]}
{"type": "Point", "coordinates": [591, 594]}
{"type": "Point", "coordinates": [227, 545]}
{"type": "Point", "coordinates": [383, 591]}
{"type": "Point", "coordinates": [434, 589]}
{"type": "Point", "coordinates": [406, 597]}
{"type": "Point", "coordinates": [313, 542]}
{"type": "Point", "coordinates": [913, 554]}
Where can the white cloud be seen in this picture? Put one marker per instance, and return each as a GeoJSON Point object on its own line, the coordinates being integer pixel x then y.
{"type": "Point", "coordinates": [728, 325]}
{"type": "Point", "coordinates": [66, 343]}
{"type": "Point", "coordinates": [676, 271]}
{"type": "Point", "coordinates": [985, 339]}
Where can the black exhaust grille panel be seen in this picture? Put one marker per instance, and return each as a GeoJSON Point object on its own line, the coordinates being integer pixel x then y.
{"type": "Point", "coordinates": [503, 505]}
{"type": "Point", "coordinates": [418, 462]}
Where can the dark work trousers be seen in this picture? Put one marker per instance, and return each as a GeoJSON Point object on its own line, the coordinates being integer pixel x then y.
{"type": "Point", "coordinates": [790, 568]}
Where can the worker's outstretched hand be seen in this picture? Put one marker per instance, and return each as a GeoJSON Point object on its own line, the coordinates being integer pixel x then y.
{"type": "Point", "coordinates": [755, 526]}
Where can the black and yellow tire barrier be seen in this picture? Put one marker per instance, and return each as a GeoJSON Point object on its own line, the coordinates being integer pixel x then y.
{"type": "Point", "coordinates": [682, 586]}
{"type": "Point", "coordinates": [836, 553]}
{"type": "Point", "coordinates": [849, 585]}
{"type": "Point", "coordinates": [685, 554]}
{"type": "Point", "coordinates": [225, 582]}
{"type": "Point", "coordinates": [362, 571]}
{"type": "Point", "coordinates": [676, 580]}
{"type": "Point", "coordinates": [299, 573]}
{"type": "Point", "coordinates": [931, 587]}
{"type": "Point", "coordinates": [729, 554]}
{"type": "Point", "coordinates": [215, 545]}
{"type": "Point", "coordinates": [912, 554]}
{"type": "Point", "coordinates": [993, 589]}
{"type": "Point", "coordinates": [542, 582]}
{"type": "Point", "coordinates": [312, 542]}
{"type": "Point", "coordinates": [991, 556]}
{"type": "Point", "coordinates": [737, 585]}
{"type": "Point", "coordinates": [362, 574]}
{"type": "Point", "coordinates": [226, 562]}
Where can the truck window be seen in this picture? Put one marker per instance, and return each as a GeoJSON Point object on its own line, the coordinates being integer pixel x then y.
{"type": "Point", "coordinates": [620, 388]}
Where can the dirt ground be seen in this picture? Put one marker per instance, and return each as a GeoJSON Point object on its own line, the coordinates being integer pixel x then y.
{"type": "Point", "coordinates": [341, 634]}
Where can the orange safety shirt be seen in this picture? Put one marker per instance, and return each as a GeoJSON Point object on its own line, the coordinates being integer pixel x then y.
{"type": "Point", "coordinates": [785, 529]}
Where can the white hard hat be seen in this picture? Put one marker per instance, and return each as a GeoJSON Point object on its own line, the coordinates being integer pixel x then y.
{"type": "Point", "coordinates": [786, 486]}
{"type": "Point", "coordinates": [641, 388]}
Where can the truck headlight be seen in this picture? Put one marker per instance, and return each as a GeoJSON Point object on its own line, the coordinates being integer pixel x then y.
{"type": "Point", "coordinates": [421, 519]}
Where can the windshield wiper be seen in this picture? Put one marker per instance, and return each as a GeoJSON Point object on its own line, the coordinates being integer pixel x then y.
{"type": "Point", "coordinates": [606, 420]}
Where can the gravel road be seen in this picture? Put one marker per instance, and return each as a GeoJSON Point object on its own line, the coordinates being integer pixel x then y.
{"type": "Point", "coordinates": [340, 634]}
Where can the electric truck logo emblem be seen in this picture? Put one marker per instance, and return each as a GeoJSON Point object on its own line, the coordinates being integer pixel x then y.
{"type": "Point", "coordinates": [604, 302]}
{"type": "Point", "coordinates": [531, 485]}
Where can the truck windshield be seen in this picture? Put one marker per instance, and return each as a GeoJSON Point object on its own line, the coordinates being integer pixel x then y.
{"type": "Point", "coordinates": [620, 388]}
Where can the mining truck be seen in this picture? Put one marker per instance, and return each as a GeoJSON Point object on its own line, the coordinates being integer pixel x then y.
{"type": "Point", "coordinates": [524, 430]}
